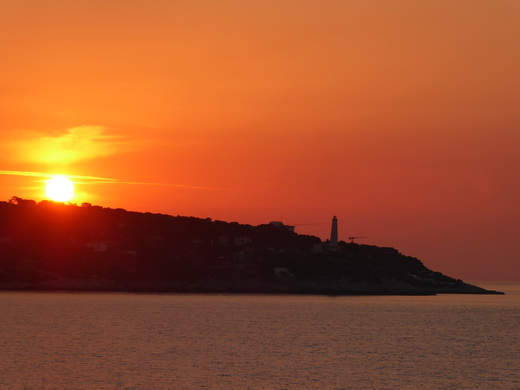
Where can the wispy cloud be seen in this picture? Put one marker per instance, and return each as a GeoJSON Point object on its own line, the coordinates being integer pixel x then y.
{"type": "Point", "coordinates": [76, 144]}
{"type": "Point", "coordinates": [49, 175]}
{"type": "Point", "coordinates": [105, 180]}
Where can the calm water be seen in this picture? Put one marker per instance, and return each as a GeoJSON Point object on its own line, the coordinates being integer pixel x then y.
{"type": "Point", "coordinates": [129, 341]}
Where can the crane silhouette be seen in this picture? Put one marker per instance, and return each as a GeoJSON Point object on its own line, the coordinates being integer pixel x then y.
{"type": "Point", "coordinates": [352, 238]}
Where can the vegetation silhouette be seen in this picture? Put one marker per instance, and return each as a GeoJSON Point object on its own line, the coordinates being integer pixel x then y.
{"type": "Point", "coordinates": [57, 246]}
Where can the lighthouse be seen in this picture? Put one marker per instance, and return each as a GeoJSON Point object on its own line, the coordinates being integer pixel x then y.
{"type": "Point", "coordinates": [334, 233]}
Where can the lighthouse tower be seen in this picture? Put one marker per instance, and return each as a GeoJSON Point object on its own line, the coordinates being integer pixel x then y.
{"type": "Point", "coordinates": [333, 243]}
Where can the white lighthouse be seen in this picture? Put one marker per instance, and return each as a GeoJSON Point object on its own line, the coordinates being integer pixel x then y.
{"type": "Point", "coordinates": [333, 243]}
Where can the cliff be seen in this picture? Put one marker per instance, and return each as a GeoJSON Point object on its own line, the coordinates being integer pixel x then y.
{"type": "Point", "coordinates": [53, 246]}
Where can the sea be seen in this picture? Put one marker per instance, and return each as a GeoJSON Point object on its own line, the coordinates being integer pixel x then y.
{"type": "Point", "coordinates": [73, 341]}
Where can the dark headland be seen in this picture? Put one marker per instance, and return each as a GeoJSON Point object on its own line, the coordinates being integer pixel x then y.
{"type": "Point", "coordinates": [50, 246]}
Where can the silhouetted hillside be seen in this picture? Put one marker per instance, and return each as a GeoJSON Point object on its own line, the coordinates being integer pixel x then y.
{"type": "Point", "coordinates": [50, 245]}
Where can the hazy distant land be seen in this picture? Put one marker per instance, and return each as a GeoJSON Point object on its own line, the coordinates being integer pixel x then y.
{"type": "Point", "coordinates": [53, 246]}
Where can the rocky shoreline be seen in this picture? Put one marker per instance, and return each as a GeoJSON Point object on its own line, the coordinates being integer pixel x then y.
{"type": "Point", "coordinates": [241, 287]}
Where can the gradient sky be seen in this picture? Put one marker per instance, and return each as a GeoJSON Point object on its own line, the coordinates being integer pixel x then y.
{"type": "Point", "coordinates": [401, 117]}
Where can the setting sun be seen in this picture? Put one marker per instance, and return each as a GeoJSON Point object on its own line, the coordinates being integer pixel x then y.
{"type": "Point", "coordinates": [59, 189]}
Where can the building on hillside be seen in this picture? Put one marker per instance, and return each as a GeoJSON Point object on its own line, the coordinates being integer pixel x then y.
{"type": "Point", "coordinates": [281, 225]}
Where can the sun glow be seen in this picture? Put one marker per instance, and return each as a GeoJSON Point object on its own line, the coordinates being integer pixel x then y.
{"type": "Point", "coordinates": [59, 189]}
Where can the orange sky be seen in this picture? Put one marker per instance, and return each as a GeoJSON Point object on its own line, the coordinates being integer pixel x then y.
{"type": "Point", "coordinates": [400, 117]}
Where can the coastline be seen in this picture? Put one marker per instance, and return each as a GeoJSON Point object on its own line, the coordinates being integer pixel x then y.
{"type": "Point", "coordinates": [247, 287]}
